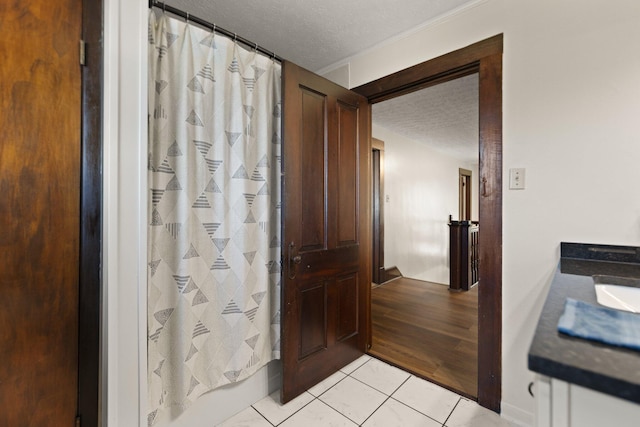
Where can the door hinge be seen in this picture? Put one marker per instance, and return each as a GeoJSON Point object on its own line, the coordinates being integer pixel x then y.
{"type": "Point", "coordinates": [78, 421]}
{"type": "Point", "coordinates": [82, 52]}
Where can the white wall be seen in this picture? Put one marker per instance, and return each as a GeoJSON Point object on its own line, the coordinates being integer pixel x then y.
{"type": "Point", "coordinates": [571, 103]}
{"type": "Point", "coordinates": [422, 186]}
{"type": "Point", "coordinates": [124, 229]}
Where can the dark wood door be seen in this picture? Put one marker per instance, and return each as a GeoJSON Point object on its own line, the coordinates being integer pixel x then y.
{"type": "Point", "coordinates": [464, 194]}
{"type": "Point", "coordinates": [326, 277]}
{"type": "Point", "coordinates": [377, 166]}
{"type": "Point", "coordinates": [39, 211]}
{"type": "Point", "coordinates": [377, 270]}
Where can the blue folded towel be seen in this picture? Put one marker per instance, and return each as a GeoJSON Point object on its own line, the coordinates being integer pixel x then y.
{"type": "Point", "coordinates": [597, 323]}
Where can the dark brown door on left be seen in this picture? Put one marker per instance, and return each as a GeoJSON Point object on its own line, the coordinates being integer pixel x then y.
{"type": "Point", "coordinates": [377, 238]}
{"type": "Point", "coordinates": [39, 211]}
{"type": "Point", "coordinates": [327, 274]}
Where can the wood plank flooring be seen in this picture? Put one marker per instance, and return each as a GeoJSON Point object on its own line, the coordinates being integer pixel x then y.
{"type": "Point", "coordinates": [425, 329]}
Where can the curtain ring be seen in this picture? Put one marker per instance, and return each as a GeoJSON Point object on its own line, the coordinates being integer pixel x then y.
{"type": "Point", "coordinates": [164, 8]}
{"type": "Point", "coordinates": [214, 29]}
{"type": "Point", "coordinates": [255, 49]}
{"type": "Point", "coordinates": [235, 37]}
{"type": "Point", "coordinates": [187, 21]}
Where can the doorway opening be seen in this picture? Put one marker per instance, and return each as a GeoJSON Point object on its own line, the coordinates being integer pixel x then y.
{"type": "Point", "coordinates": [484, 58]}
{"type": "Point", "coordinates": [465, 189]}
{"type": "Point", "coordinates": [377, 161]}
{"type": "Point", "coordinates": [430, 138]}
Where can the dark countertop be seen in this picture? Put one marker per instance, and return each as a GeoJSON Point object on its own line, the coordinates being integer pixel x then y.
{"type": "Point", "coordinates": [600, 367]}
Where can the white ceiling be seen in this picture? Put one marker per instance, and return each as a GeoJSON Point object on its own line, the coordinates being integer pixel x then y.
{"type": "Point", "coordinates": [318, 34]}
{"type": "Point", "coordinates": [444, 116]}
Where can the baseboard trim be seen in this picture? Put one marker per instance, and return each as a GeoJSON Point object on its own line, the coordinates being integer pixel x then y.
{"type": "Point", "coordinates": [516, 415]}
{"type": "Point", "coordinates": [391, 273]}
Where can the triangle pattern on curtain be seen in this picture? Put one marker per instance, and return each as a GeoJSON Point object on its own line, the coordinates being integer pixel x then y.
{"type": "Point", "coordinates": [213, 283]}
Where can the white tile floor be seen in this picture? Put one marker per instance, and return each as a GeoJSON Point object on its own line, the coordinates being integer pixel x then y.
{"type": "Point", "coordinates": [369, 393]}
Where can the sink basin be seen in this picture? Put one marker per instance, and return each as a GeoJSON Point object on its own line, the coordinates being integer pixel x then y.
{"type": "Point", "coordinates": [621, 293]}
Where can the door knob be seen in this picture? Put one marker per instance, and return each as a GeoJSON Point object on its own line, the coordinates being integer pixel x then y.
{"type": "Point", "coordinates": [294, 260]}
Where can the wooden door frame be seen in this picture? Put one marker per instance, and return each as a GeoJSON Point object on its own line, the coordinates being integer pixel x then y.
{"type": "Point", "coordinates": [377, 201]}
{"type": "Point", "coordinates": [484, 58]}
{"type": "Point", "coordinates": [90, 277]}
{"type": "Point", "coordinates": [464, 193]}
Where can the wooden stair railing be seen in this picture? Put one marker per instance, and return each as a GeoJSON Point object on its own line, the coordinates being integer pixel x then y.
{"type": "Point", "coordinates": [463, 247]}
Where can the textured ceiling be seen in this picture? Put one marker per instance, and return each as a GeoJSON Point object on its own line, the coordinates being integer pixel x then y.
{"type": "Point", "coordinates": [444, 116]}
{"type": "Point", "coordinates": [316, 34]}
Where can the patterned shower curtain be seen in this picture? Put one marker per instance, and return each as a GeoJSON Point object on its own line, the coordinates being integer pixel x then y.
{"type": "Point", "coordinates": [214, 212]}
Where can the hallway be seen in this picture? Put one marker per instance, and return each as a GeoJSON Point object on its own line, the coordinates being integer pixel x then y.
{"type": "Point", "coordinates": [369, 392]}
{"type": "Point", "coordinates": [429, 331]}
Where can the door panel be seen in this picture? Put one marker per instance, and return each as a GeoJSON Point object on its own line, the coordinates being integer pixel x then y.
{"type": "Point", "coordinates": [347, 175]}
{"type": "Point", "coordinates": [39, 211]}
{"type": "Point", "coordinates": [313, 319]}
{"type": "Point", "coordinates": [312, 157]}
{"type": "Point", "coordinates": [326, 203]}
{"type": "Point", "coordinates": [347, 290]}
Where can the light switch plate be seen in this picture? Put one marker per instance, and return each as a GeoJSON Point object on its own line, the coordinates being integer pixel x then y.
{"type": "Point", "coordinates": [516, 179]}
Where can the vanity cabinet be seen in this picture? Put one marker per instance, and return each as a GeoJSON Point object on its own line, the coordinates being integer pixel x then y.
{"type": "Point", "coordinates": [562, 404]}
{"type": "Point", "coordinates": [583, 383]}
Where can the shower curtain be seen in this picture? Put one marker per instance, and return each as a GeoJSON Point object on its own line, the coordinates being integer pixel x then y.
{"type": "Point", "coordinates": [214, 212]}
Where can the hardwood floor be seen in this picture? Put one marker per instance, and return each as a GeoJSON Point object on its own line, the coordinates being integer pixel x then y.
{"type": "Point", "coordinates": [424, 328]}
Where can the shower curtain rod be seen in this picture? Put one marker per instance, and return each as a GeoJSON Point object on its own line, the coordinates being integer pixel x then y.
{"type": "Point", "coordinates": [190, 18]}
